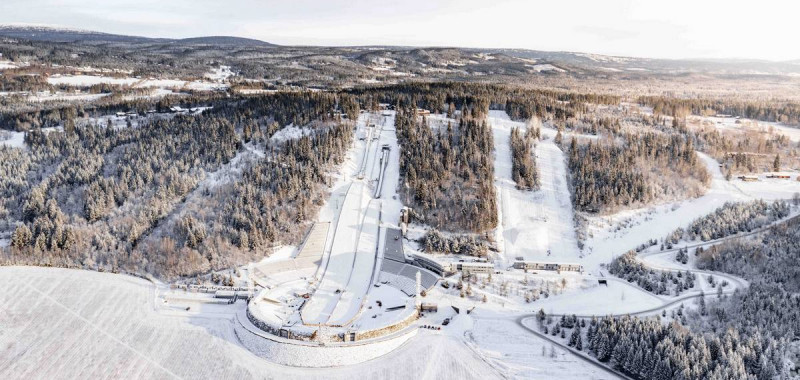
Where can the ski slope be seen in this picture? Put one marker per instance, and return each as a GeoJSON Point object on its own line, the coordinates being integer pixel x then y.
{"type": "Point", "coordinates": [361, 276]}
{"type": "Point", "coordinates": [341, 262]}
{"type": "Point", "coordinates": [536, 225]}
{"type": "Point", "coordinates": [12, 139]}
{"type": "Point", "coordinates": [352, 258]}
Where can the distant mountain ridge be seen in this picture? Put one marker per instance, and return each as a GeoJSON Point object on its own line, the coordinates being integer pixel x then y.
{"type": "Point", "coordinates": [422, 60]}
{"type": "Point", "coordinates": [57, 34]}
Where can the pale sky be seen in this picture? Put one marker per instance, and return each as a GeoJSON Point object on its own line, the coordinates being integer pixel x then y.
{"type": "Point", "coordinates": [764, 29]}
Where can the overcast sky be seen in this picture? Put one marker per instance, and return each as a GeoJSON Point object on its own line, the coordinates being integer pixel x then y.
{"type": "Point", "coordinates": [764, 29]}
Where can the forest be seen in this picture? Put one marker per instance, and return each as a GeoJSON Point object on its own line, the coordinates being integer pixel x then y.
{"type": "Point", "coordinates": [744, 335]}
{"type": "Point", "coordinates": [659, 282]}
{"type": "Point", "coordinates": [649, 348]}
{"type": "Point", "coordinates": [178, 195]}
{"type": "Point", "coordinates": [645, 167]}
{"type": "Point", "coordinates": [435, 242]}
{"type": "Point", "coordinates": [153, 199]}
{"type": "Point", "coordinates": [523, 164]}
{"type": "Point", "coordinates": [784, 112]}
{"type": "Point", "coordinates": [448, 174]}
{"type": "Point", "coordinates": [730, 219]}
{"type": "Point", "coordinates": [770, 308]}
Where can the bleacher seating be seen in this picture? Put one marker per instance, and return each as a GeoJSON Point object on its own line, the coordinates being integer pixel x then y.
{"type": "Point", "coordinates": [391, 266]}
{"type": "Point", "coordinates": [404, 276]}
{"type": "Point", "coordinates": [428, 280]}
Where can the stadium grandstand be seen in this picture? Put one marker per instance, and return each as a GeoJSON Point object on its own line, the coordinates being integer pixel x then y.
{"type": "Point", "coordinates": [399, 274]}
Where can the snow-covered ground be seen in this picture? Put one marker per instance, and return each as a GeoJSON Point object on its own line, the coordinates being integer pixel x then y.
{"type": "Point", "coordinates": [537, 225]}
{"type": "Point", "coordinates": [359, 280]}
{"type": "Point", "coordinates": [741, 125]}
{"type": "Point", "coordinates": [544, 67]}
{"type": "Point", "coordinates": [62, 323]}
{"type": "Point", "coordinates": [45, 96]}
{"type": "Point", "coordinates": [519, 355]}
{"type": "Point", "coordinates": [351, 264]}
{"type": "Point", "coordinates": [290, 132]}
{"type": "Point", "coordinates": [616, 298]}
{"type": "Point", "coordinates": [656, 222]}
{"type": "Point", "coordinates": [341, 260]}
{"type": "Point", "coordinates": [5, 65]}
{"type": "Point", "coordinates": [90, 80]}
{"type": "Point", "coordinates": [12, 139]}
{"type": "Point", "coordinates": [220, 74]}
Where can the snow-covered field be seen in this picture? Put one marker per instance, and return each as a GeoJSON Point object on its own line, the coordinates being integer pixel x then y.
{"type": "Point", "coordinates": [5, 65]}
{"type": "Point", "coordinates": [66, 324]}
{"type": "Point", "coordinates": [49, 96]}
{"type": "Point", "coordinates": [616, 298]}
{"type": "Point", "coordinates": [12, 139]}
{"type": "Point", "coordinates": [544, 67]}
{"type": "Point", "coordinates": [290, 132]}
{"type": "Point", "coordinates": [537, 225]}
{"type": "Point", "coordinates": [90, 80]}
{"type": "Point", "coordinates": [518, 354]}
{"type": "Point", "coordinates": [741, 125]}
{"type": "Point", "coordinates": [220, 74]}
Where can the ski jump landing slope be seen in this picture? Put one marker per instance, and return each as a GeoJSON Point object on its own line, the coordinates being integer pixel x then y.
{"type": "Point", "coordinates": [352, 259]}
{"type": "Point", "coordinates": [361, 277]}
{"type": "Point", "coordinates": [342, 259]}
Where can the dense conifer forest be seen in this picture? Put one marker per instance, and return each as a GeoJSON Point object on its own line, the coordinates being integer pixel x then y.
{"type": "Point", "coordinates": [523, 164]}
{"type": "Point", "coordinates": [730, 219]}
{"type": "Point", "coordinates": [607, 175]}
{"type": "Point", "coordinates": [783, 112]}
{"type": "Point", "coordinates": [145, 199]}
{"type": "Point", "coordinates": [448, 174]}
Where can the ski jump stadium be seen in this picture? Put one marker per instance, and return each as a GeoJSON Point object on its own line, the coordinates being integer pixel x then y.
{"type": "Point", "coordinates": [349, 283]}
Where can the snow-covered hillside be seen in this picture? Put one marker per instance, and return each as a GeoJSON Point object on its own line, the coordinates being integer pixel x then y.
{"type": "Point", "coordinates": [61, 323]}
{"type": "Point", "coordinates": [536, 225]}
